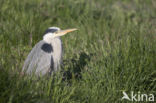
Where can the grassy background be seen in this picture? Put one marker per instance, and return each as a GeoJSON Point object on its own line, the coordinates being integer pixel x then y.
{"type": "Point", "coordinates": [113, 50]}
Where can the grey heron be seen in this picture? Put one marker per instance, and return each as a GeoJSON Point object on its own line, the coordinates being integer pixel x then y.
{"type": "Point", "coordinates": [46, 55]}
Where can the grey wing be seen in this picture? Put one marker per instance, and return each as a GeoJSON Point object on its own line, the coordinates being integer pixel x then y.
{"type": "Point", "coordinates": [39, 60]}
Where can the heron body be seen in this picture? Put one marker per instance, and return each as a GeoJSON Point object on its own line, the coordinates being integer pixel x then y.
{"type": "Point", "coordinates": [46, 56]}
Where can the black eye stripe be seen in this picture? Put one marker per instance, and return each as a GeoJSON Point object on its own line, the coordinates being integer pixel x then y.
{"type": "Point", "coordinates": [50, 31]}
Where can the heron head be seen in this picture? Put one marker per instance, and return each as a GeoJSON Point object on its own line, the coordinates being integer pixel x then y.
{"type": "Point", "coordinates": [53, 32]}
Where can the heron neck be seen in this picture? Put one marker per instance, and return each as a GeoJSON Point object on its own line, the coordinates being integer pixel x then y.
{"type": "Point", "coordinates": [48, 38]}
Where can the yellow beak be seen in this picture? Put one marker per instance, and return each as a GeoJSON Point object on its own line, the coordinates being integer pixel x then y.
{"type": "Point", "coordinates": [63, 32]}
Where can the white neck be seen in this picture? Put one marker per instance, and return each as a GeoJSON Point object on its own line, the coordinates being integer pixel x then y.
{"type": "Point", "coordinates": [48, 37]}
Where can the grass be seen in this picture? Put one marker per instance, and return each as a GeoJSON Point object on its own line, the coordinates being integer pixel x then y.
{"type": "Point", "coordinates": [113, 50]}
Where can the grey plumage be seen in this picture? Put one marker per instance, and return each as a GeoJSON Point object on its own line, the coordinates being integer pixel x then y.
{"type": "Point", "coordinates": [46, 56]}
{"type": "Point", "coordinates": [41, 58]}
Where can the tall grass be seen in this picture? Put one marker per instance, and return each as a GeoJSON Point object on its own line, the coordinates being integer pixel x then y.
{"type": "Point", "coordinates": [112, 51]}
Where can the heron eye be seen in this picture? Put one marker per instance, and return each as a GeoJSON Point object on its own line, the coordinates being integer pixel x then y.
{"type": "Point", "coordinates": [50, 31]}
{"type": "Point", "coordinates": [56, 32]}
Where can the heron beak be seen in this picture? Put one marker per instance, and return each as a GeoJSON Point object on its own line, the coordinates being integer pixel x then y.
{"type": "Point", "coordinates": [63, 32]}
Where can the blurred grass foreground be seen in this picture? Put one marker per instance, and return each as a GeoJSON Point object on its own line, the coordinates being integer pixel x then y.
{"type": "Point", "coordinates": [113, 51]}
